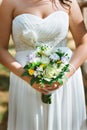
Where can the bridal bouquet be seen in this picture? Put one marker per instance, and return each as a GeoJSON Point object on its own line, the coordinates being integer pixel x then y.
{"type": "Point", "coordinates": [46, 66]}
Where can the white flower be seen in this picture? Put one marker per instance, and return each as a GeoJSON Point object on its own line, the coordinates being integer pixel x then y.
{"type": "Point", "coordinates": [62, 65]}
{"type": "Point", "coordinates": [35, 73]}
{"type": "Point", "coordinates": [31, 57]}
{"type": "Point", "coordinates": [45, 60]}
{"type": "Point", "coordinates": [54, 57]}
{"type": "Point", "coordinates": [37, 49]}
{"type": "Point", "coordinates": [51, 72]}
{"type": "Point", "coordinates": [29, 37]}
{"type": "Point", "coordinates": [39, 69]}
{"type": "Point", "coordinates": [36, 59]}
{"type": "Point", "coordinates": [64, 59]}
{"type": "Point", "coordinates": [47, 51]}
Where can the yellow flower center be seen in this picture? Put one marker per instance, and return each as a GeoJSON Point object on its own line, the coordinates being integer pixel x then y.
{"type": "Point", "coordinates": [42, 65]}
{"type": "Point", "coordinates": [59, 61]}
{"type": "Point", "coordinates": [31, 71]}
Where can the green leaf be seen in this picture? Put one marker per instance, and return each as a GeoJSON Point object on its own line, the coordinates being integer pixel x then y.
{"type": "Point", "coordinates": [60, 53]}
{"type": "Point", "coordinates": [26, 67]}
{"type": "Point", "coordinates": [32, 81]}
{"type": "Point", "coordinates": [67, 70]}
{"type": "Point", "coordinates": [37, 80]}
{"type": "Point", "coordinates": [60, 81]}
{"type": "Point", "coordinates": [65, 78]}
{"type": "Point", "coordinates": [25, 73]}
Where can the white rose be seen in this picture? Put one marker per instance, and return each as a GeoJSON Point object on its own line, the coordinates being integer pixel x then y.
{"type": "Point", "coordinates": [51, 72]}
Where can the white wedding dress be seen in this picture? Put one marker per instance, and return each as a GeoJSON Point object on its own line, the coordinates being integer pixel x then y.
{"type": "Point", "coordinates": [26, 110]}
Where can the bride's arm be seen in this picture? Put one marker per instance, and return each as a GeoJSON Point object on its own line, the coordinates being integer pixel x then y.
{"type": "Point", "coordinates": [6, 10]}
{"type": "Point", "coordinates": [79, 33]}
{"type": "Point", "coordinates": [6, 59]}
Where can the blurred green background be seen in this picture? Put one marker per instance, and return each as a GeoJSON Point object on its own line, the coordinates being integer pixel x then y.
{"type": "Point", "coordinates": [4, 87]}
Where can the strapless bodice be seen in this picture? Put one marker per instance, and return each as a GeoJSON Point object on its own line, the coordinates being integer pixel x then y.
{"type": "Point", "coordinates": [29, 30]}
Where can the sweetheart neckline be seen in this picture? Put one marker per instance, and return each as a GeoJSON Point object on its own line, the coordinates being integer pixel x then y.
{"type": "Point", "coordinates": [43, 19]}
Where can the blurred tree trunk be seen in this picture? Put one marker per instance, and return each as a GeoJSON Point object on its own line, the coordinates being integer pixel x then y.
{"type": "Point", "coordinates": [83, 6]}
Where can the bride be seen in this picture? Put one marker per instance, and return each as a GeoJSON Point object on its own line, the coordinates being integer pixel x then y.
{"type": "Point", "coordinates": [45, 22]}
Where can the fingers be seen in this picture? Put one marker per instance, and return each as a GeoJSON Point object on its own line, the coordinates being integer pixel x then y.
{"type": "Point", "coordinates": [48, 88]}
{"type": "Point", "coordinates": [42, 90]}
{"type": "Point", "coordinates": [53, 87]}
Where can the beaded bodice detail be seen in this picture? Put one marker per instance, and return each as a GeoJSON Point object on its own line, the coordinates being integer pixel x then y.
{"type": "Point", "coordinates": [29, 30]}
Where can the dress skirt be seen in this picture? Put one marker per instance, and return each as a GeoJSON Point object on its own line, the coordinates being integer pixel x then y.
{"type": "Point", "coordinates": [26, 110]}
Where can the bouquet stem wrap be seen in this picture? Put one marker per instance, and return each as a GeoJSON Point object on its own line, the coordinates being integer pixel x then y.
{"type": "Point", "coordinates": [46, 98]}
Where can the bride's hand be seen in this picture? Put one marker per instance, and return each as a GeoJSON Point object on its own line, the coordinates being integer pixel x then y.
{"type": "Point", "coordinates": [40, 89]}
{"type": "Point", "coordinates": [48, 88]}
{"type": "Point", "coordinates": [53, 87]}
{"type": "Point", "coordinates": [36, 86]}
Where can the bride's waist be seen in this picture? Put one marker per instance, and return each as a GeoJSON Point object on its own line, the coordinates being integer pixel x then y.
{"type": "Point", "coordinates": [22, 56]}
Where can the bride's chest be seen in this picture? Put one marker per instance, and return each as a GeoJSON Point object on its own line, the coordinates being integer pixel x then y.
{"type": "Point", "coordinates": [28, 27]}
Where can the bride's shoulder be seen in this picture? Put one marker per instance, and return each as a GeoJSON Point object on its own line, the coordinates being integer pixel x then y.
{"type": "Point", "coordinates": [6, 7]}
{"type": "Point", "coordinates": [75, 9]}
{"type": "Point", "coordinates": [64, 5]}
{"type": "Point", "coordinates": [7, 2]}
{"type": "Point", "coordinates": [71, 6]}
